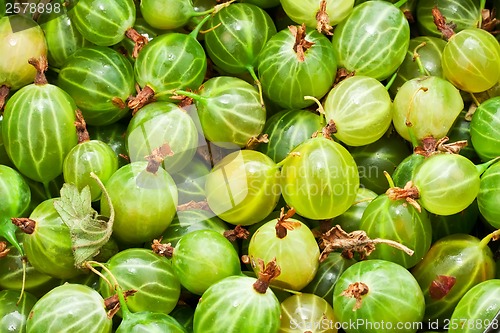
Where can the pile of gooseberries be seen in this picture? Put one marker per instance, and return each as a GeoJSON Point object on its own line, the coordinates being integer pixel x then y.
{"type": "Point", "coordinates": [249, 166]}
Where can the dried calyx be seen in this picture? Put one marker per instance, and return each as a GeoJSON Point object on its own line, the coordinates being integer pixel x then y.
{"type": "Point", "coordinates": [323, 25]}
{"type": "Point", "coordinates": [144, 96]}
{"type": "Point", "coordinates": [431, 146]}
{"type": "Point", "coordinates": [157, 156]}
{"type": "Point", "coordinates": [284, 224]}
{"type": "Point", "coordinates": [266, 275]}
{"type": "Point", "coordinates": [3, 249]}
{"type": "Point", "coordinates": [112, 303]}
{"type": "Point", "coordinates": [254, 142]}
{"type": "Point", "coordinates": [409, 193]}
{"type": "Point", "coordinates": [25, 224]}
{"type": "Point", "coordinates": [301, 45]}
{"type": "Point", "coordinates": [447, 29]}
{"type": "Point", "coordinates": [4, 92]}
{"type": "Point", "coordinates": [164, 250]}
{"type": "Point", "coordinates": [237, 233]}
{"type": "Point", "coordinates": [81, 127]}
{"type": "Point", "coordinates": [139, 41]}
{"type": "Point", "coordinates": [356, 290]}
{"type": "Point", "coordinates": [352, 243]}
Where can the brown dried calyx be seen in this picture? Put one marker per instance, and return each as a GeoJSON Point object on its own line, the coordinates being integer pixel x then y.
{"type": "Point", "coordinates": [81, 127]}
{"type": "Point", "coordinates": [323, 25]}
{"type": "Point", "coordinates": [202, 205]}
{"type": "Point", "coordinates": [266, 275]}
{"type": "Point", "coordinates": [144, 96]}
{"type": "Point", "coordinates": [237, 233]}
{"type": "Point", "coordinates": [341, 75]}
{"type": "Point", "coordinates": [284, 224]}
{"type": "Point", "coordinates": [301, 44]}
{"type": "Point", "coordinates": [139, 40]}
{"type": "Point", "coordinates": [4, 92]}
{"type": "Point", "coordinates": [25, 224]}
{"type": "Point", "coordinates": [41, 65]}
{"type": "Point", "coordinates": [409, 193]}
{"type": "Point", "coordinates": [164, 250]}
{"type": "Point", "coordinates": [3, 249]}
{"type": "Point", "coordinates": [489, 21]}
{"type": "Point", "coordinates": [447, 29]}
{"type": "Point", "coordinates": [157, 156]}
{"type": "Point", "coordinates": [356, 290]}
{"type": "Point", "coordinates": [326, 131]}
{"type": "Point", "coordinates": [353, 242]}
{"type": "Point", "coordinates": [112, 303]}
{"type": "Point", "coordinates": [253, 142]}
{"type": "Point", "coordinates": [431, 146]}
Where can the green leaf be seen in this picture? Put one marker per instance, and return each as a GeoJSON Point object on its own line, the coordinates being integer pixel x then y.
{"type": "Point", "coordinates": [89, 230]}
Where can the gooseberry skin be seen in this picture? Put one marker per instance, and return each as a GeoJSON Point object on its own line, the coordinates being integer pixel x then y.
{"type": "Point", "coordinates": [461, 257]}
{"type": "Point", "coordinates": [167, 14]}
{"type": "Point", "coordinates": [286, 80]}
{"type": "Point", "coordinates": [236, 35]}
{"type": "Point", "coordinates": [400, 301]}
{"type": "Point", "coordinates": [416, 102]}
{"type": "Point", "coordinates": [361, 109]}
{"type": "Point", "coordinates": [26, 41]}
{"type": "Point", "coordinates": [319, 179]}
{"type": "Point", "coordinates": [223, 124]}
{"type": "Point", "coordinates": [103, 22]}
{"type": "Point", "coordinates": [47, 113]}
{"type": "Point", "coordinates": [202, 258]}
{"type": "Point", "coordinates": [243, 188]}
{"type": "Point", "coordinates": [471, 60]}
{"type": "Point", "coordinates": [306, 11]}
{"type": "Point", "coordinates": [144, 202]}
{"type": "Point", "coordinates": [485, 129]}
{"type": "Point", "coordinates": [447, 183]}
{"type": "Point", "coordinates": [488, 198]}
{"type": "Point", "coordinates": [87, 157]}
{"type": "Point", "coordinates": [160, 123]}
{"type": "Point", "coordinates": [372, 40]}
{"type": "Point", "coordinates": [235, 305]}
{"type": "Point", "coordinates": [14, 310]}
{"type": "Point", "coordinates": [286, 130]}
{"type": "Point", "coordinates": [477, 308]}
{"type": "Point", "coordinates": [152, 276]}
{"type": "Point", "coordinates": [100, 80]}
{"type": "Point", "coordinates": [298, 267]}
{"type": "Point", "coordinates": [49, 247]}
{"type": "Point", "coordinates": [58, 309]}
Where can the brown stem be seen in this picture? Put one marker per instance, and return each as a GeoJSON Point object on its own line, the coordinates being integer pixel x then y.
{"type": "Point", "coordinates": [266, 275]}
{"type": "Point", "coordinates": [4, 92]}
{"type": "Point", "coordinates": [323, 25]}
{"type": "Point", "coordinates": [354, 242]}
{"type": "Point", "coordinates": [3, 249]}
{"type": "Point", "coordinates": [139, 40]}
{"type": "Point", "coordinates": [25, 224]}
{"type": "Point", "coordinates": [446, 29]}
{"type": "Point", "coordinates": [81, 127]}
{"type": "Point", "coordinates": [284, 225]}
{"type": "Point", "coordinates": [164, 250]}
{"type": "Point", "coordinates": [356, 290]}
{"type": "Point", "coordinates": [145, 96]}
{"type": "Point", "coordinates": [41, 65]}
{"type": "Point", "coordinates": [112, 303]}
{"type": "Point", "coordinates": [237, 233]}
{"type": "Point", "coordinates": [157, 156]}
{"type": "Point", "coordinates": [301, 44]}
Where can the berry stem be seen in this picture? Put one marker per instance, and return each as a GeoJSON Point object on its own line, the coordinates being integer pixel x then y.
{"type": "Point", "coordinates": [400, 3]}
{"type": "Point", "coordinates": [416, 58]}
